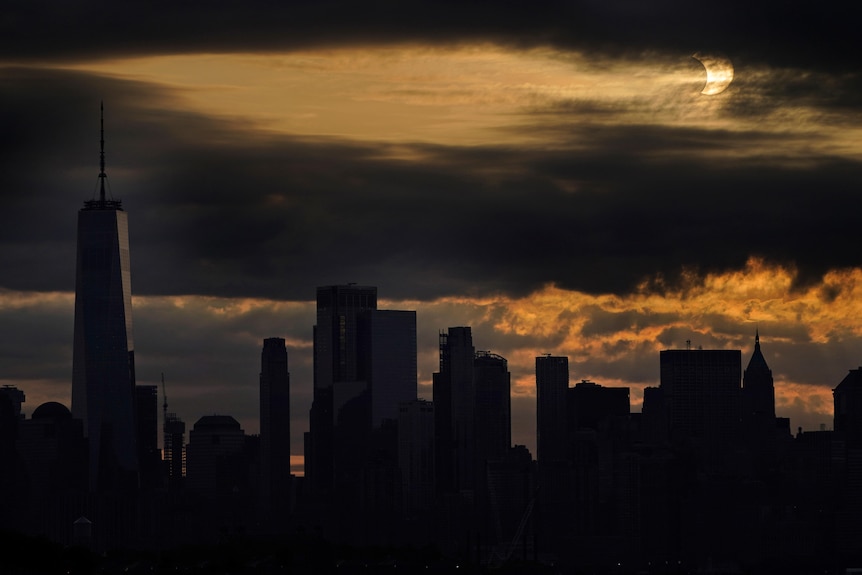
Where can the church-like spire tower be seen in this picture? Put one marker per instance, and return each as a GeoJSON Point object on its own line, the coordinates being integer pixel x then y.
{"type": "Point", "coordinates": [757, 385]}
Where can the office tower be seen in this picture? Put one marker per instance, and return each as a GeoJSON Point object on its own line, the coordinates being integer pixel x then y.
{"type": "Point", "coordinates": [416, 454]}
{"type": "Point", "coordinates": [555, 497]}
{"type": "Point", "coordinates": [847, 401]}
{"type": "Point", "coordinates": [54, 453]}
{"type": "Point", "coordinates": [701, 390]}
{"type": "Point", "coordinates": [492, 408]}
{"type": "Point", "coordinates": [274, 427]}
{"type": "Point", "coordinates": [103, 362]}
{"type": "Point", "coordinates": [758, 389]}
{"type": "Point", "coordinates": [589, 405]}
{"type": "Point", "coordinates": [15, 397]}
{"type": "Point", "coordinates": [340, 390]}
{"type": "Point", "coordinates": [215, 449]}
{"type": "Point", "coordinates": [147, 434]}
{"type": "Point", "coordinates": [552, 381]}
{"type": "Point", "coordinates": [174, 430]}
{"type": "Point", "coordinates": [454, 396]}
{"type": "Point", "coordinates": [387, 342]}
{"type": "Point", "coordinates": [759, 425]}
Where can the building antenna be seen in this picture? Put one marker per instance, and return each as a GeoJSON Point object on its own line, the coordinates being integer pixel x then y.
{"type": "Point", "coordinates": [102, 174]}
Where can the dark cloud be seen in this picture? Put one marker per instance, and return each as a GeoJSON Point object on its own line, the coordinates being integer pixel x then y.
{"type": "Point", "coordinates": [811, 35]}
{"type": "Point", "coordinates": [219, 209]}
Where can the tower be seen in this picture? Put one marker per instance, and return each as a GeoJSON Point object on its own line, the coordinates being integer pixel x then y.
{"type": "Point", "coordinates": [454, 397]}
{"type": "Point", "coordinates": [758, 388]}
{"type": "Point", "coordinates": [274, 426]}
{"type": "Point", "coordinates": [552, 381]}
{"type": "Point", "coordinates": [103, 363]}
{"type": "Point", "coordinates": [336, 373]}
{"type": "Point", "coordinates": [847, 401]}
{"type": "Point", "coordinates": [492, 408]}
{"type": "Point", "coordinates": [147, 435]}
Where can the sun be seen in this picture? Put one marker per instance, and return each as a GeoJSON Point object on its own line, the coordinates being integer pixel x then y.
{"type": "Point", "coordinates": [719, 72]}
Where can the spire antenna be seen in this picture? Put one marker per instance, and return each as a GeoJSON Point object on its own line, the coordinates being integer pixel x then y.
{"type": "Point", "coordinates": [102, 174]}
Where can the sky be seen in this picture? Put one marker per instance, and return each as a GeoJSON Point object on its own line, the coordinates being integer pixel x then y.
{"type": "Point", "coordinates": [550, 174]}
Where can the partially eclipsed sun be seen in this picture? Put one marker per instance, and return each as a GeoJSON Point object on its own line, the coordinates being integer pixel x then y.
{"type": "Point", "coordinates": [719, 72]}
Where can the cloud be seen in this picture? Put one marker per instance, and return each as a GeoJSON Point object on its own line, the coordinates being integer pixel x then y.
{"type": "Point", "coordinates": [816, 35]}
{"type": "Point", "coordinates": [223, 209]}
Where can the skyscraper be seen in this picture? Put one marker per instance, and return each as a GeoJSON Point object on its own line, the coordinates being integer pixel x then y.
{"type": "Point", "coordinates": [552, 442]}
{"type": "Point", "coordinates": [758, 388]}
{"type": "Point", "coordinates": [175, 454]}
{"type": "Point", "coordinates": [147, 430]}
{"type": "Point", "coordinates": [492, 408]}
{"type": "Point", "coordinates": [552, 381]}
{"type": "Point", "coordinates": [701, 390]}
{"type": "Point", "coordinates": [388, 351]}
{"type": "Point", "coordinates": [103, 363]}
{"type": "Point", "coordinates": [454, 398]}
{"type": "Point", "coordinates": [339, 384]}
{"type": "Point", "coordinates": [274, 426]}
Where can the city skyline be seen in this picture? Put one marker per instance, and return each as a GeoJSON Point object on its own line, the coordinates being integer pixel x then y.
{"type": "Point", "coordinates": [560, 188]}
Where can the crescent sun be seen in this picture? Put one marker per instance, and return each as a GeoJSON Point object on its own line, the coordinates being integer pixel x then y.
{"type": "Point", "coordinates": [719, 72]}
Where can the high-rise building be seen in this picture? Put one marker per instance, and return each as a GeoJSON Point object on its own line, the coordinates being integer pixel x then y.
{"type": "Point", "coordinates": [388, 351]}
{"type": "Point", "coordinates": [847, 399]}
{"type": "Point", "coordinates": [416, 454]}
{"type": "Point", "coordinates": [555, 497]}
{"type": "Point", "coordinates": [758, 410]}
{"type": "Point", "coordinates": [147, 434]}
{"type": "Point", "coordinates": [340, 387]}
{"type": "Point", "coordinates": [274, 426]}
{"type": "Point", "coordinates": [701, 391]}
{"type": "Point", "coordinates": [552, 381]}
{"type": "Point", "coordinates": [492, 407]}
{"type": "Point", "coordinates": [215, 449]}
{"type": "Point", "coordinates": [454, 398]}
{"type": "Point", "coordinates": [175, 453]}
{"type": "Point", "coordinates": [590, 404]}
{"type": "Point", "coordinates": [15, 397]}
{"type": "Point", "coordinates": [757, 387]}
{"type": "Point", "coordinates": [103, 372]}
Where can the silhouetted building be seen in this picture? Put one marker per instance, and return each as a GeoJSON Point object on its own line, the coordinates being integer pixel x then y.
{"type": "Point", "coordinates": [758, 389]}
{"type": "Point", "coordinates": [552, 381]}
{"type": "Point", "coordinates": [701, 390]}
{"type": "Point", "coordinates": [590, 405]}
{"type": "Point", "coordinates": [15, 397]}
{"type": "Point", "coordinates": [103, 378]}
{"type": "Point", "coordinates": [339, 389]}
{"type": "Point", "coordinates": [387, 342]}
{"type": "Point", "coordinates": [216, 443]}
{"type": "Point", "coordinates": [416, 455]}
{"type": "Point", "coordinates": [147, 435]}
{"type": "Point", "coordinates": [364, 366]}
{"type": "Point", "coordinates": [12, 473]}
{"type": "Point", "coordinates": [555, 495]}
{"type": "Point", "coordinates": [847, 415]}
{"type": "Point", "coordinates": [54, 453]}
{"type": "Point", "coordinates": [274, 429]}
{"type": "Point", "coordinates": [174, 430]}
{"type": "Point", "coordinates": [492, 407]}
{"type": "Point", "coordinates": [454, 397]}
